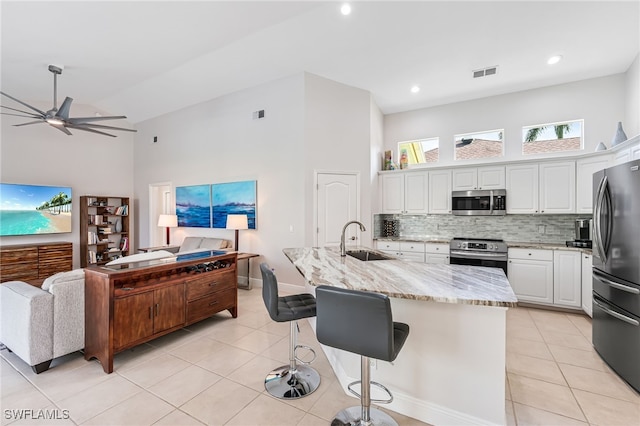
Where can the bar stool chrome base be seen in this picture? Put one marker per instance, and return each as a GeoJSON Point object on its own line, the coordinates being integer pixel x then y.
{"type": "Point", "coordinates": [285, 383]}
{"type": "Point", "coordinates": [352, 416]}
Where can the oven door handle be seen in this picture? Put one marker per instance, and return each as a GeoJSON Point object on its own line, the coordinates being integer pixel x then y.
{"type": "Point", "coordinates": [616, 315]}
{"type": "Point", "coordinates": [473, 255]}
{"type": "Point", "coordinates": [490, 202]}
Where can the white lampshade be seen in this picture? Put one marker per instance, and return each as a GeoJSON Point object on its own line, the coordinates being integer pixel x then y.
{"type": "Point", "coordinates": [237, 221]}
{"type": "Point", "coordinates": [168, 220]}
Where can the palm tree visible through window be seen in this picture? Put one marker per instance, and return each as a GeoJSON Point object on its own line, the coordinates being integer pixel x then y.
{"type": "Point", "coordinates": [552, 137]}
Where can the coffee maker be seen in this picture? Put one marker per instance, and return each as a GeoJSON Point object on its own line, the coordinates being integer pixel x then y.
{"type": "Point", "coordinates": [583, 234]}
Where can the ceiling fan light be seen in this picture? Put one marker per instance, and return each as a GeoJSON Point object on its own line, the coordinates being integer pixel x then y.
{"type": "Point", "coordinates": [55, 121]}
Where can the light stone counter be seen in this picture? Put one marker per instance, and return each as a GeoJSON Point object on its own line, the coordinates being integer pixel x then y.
{"type": "Point", "coordinates": [459, 284]}
{"type": "Point", "coordinates": [451, 370]}
{"type": "Point", "coordinates": [545, 246]}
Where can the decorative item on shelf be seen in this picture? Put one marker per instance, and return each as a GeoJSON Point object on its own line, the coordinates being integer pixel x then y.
{"type": "Point", "coordinates": [168, 221]}
{"type": "Point", "coordinates": [601, 147]}
{"type": "Point", "coordinates": [404, 159]}
{"type": "Point", "coordinates": [118, 225]}
{"type": "Point", "coordinates": [237, 222]}
{"type": "Point", "coordinates": [620, 136]}
{"type": "Point", "coordinates": [388, 160]}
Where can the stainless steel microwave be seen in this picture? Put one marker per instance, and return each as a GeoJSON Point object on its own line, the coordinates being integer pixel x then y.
{"type": "Point", "coordinates": [479, 203]}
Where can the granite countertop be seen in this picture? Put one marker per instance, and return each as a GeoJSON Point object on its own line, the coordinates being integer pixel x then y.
{"type": "Point", "coordinates": [435, 240]}
{"type": "Point", "coordinates": [403, 279]}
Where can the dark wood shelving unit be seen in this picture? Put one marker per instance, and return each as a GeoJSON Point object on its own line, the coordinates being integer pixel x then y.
{"type": "Point", "coordinates": [101, 238]}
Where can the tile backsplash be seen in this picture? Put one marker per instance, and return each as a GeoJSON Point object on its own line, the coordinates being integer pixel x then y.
{"type": "Point", "coordinates": [533, 228]}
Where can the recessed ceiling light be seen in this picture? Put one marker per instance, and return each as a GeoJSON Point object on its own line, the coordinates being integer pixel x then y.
{"type": "Point", "coordinates": [345, 9]}
{"type": "Point", "coordinates": [415, 89]}
{"type": "Point", "coordinates": [554, 59]}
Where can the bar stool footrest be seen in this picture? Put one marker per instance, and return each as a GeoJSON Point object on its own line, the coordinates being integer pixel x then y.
{"type": "Point", "coordinates": [380, 401]}
{"type": "Point", "coordinates": [308, 348]}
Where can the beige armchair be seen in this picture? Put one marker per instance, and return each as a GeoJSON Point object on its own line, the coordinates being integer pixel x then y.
{"type": "Point", "coordinates": [40, 324]}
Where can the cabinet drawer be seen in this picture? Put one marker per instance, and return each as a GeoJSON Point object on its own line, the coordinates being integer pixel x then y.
{"type": "Point", "coordinates": [531, 254]}
{"type": "Point", "coordinates": [209, 305]}
{"type": "Point", "coordinates": [19, 255]}
{"type": "Point", "coordinates": [388, 245]}
{"type": "Point", "coordinates": [437, 248]}
{"type": "Point", "coordinates": [209, 283]}
{"type": "Point", "coordinates": [412, 247]}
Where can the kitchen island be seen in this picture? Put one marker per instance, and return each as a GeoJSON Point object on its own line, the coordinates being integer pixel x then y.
{"type": "Point", "coordinates": [452, 367]}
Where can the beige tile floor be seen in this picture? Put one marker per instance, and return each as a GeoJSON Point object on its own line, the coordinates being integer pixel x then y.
{"type": "Point", "coordinates": [212, 373]}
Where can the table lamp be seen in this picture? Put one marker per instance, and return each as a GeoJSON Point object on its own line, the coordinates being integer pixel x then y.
{"type": "Point", "coordinates": [237, 222]}
{"type": "Point", "coordinates": [168, 221]}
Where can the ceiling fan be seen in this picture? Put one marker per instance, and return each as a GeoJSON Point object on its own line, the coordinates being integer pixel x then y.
{"type": "Point", "coordinates": [59, 118]}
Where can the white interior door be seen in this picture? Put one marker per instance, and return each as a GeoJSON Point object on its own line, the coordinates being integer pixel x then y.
{"type": "Point", "coordinates": [337, 203]}
{"type": "Point", "coordinates": [160, 202]}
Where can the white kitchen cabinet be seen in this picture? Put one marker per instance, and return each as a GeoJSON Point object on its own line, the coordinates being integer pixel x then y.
{"type": "Point", "coordinates": [634, 152]}
{"type": "Point", "coordinates": [584, 181]}
{"type": "Point", "coordinates": [472, 178]}
{"type": "Point", "coordinates": [405, 193]}
{"type": "Point", "coordinates": [522, 188]}
{"type": "Point", "coordinates": [622, 156]}
{"type": "Point", "coordinates": [547, 188]}
{"type": "Point", "coordinates": [403, 249]}
{"type": "Point", "coordinates": [567, 278]}
{"type": "Point", "coordinates": [587, 284]}
{"type": "Point", "coordinates": [558, 187]}
{"type": "Point", "coordinates": [437, 253]}
{"type": "Point", "coordinates": [530, 273]}
{"type": "Point", "coordinates": [440, 192]}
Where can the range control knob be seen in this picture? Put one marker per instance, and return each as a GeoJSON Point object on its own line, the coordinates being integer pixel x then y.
{"type": "Point", "coordinates": [459, 245]}
{"type": "Point", "coordinates": [490, 246]}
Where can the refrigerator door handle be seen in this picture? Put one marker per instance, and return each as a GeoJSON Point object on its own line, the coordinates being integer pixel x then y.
{"type": "Point", "coordinates": [617, 285]}
{"type": "Point", "coordinates": [616, 315]}
{"type": "Point", "coordinates": [596, 222]}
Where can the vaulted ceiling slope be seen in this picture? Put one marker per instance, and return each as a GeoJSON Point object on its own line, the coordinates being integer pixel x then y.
{"type": "Point", "coordinates": [148, 58]}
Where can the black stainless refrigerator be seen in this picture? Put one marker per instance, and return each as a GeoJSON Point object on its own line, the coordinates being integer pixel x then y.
{"type": "Point", "coordinates": [616, 269]}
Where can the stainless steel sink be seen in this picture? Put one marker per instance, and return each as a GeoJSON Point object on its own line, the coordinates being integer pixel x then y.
{"type": "Point", "coordinates": [366, 255]}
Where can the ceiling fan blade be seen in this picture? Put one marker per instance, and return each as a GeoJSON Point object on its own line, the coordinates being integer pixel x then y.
{"type": "Point", "coordinates": [82, 120]}
{"type": "Point", "coordinates": [22, 103]}
{"type": "Point", "coordinates": [30, 122]}
{"type": "Point", "coordinates": [25, 112]}
{"type": "Point", "coordinates": [20, 115]}
{"type": "Point", "coordinates": [63, 112]}
{"type": "Point", "coordinates": [86, 129]}
{"type": "Point", "coordinates": [99, 126]}
{"type": "Point", "coordinates": [62, 128]}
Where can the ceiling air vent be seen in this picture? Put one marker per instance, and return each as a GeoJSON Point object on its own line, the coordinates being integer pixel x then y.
{"type": "Point", "coordinates": [485, 71]}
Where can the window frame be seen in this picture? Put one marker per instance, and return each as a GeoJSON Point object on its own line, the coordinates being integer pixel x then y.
{"type": "Point", "coordinates": [462, 135]}
{"type": "Point", "coordinates": [547, 153]}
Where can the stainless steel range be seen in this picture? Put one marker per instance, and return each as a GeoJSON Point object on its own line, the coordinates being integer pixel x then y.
{"type": "Point", "coordinates": [478, 252]}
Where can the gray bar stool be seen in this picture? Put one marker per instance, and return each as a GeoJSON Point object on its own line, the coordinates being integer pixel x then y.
{"type": "Point", "coordinates": [360, 322]}
{"type": "Point", "coordinates": [291, 381]}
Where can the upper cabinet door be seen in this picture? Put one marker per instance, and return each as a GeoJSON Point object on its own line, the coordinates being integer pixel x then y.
{"type": "Point", "coordinates": [392, 193]}
{"type": "Point", "coordinates": [416, 186]}
{"type": "Point", "coordinates": [440, 192]}
{"type": "Point", "coordinates": [491, 178]}
{"type": "Point", "coordinates": [557, 188]}
{"type": "Point", "coordinates": [522, 189]}
{"type": "Point", "coordinates": [584, 182]}
{"type": "Point", "coordinates": [465, 179]}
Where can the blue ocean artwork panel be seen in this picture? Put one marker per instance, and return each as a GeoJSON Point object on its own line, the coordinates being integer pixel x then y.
{"type": "Point", "coordinates": [34, 209]}
{"type": "Point", "coordinates": [234, 198]}
{"type": "Point", "coordinates": [193, 206]}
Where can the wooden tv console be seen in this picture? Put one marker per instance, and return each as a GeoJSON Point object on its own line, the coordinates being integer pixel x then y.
{"type": "Point", "coordinates": [130, 304]}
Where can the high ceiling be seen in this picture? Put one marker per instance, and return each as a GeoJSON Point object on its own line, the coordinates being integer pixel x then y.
{"type": "Point", "coordinates": [144, 59]}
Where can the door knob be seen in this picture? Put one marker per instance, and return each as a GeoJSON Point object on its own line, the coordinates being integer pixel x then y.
{"type": "Point", "coordinates": [353, 238]}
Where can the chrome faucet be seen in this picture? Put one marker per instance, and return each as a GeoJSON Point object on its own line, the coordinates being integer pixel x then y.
{"type": "Point", "coordinates": [343, 249]}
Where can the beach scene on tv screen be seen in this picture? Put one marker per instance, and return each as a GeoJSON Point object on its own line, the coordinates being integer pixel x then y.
{"type": "Point", "coordinates": [34, 209]}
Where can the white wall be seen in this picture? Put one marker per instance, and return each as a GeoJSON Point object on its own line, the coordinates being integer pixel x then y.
{"type": "Point", "coordinates": [631, 122]}
{"type": "Point", "coordinates": [600, 102]}
{"type": "Point", "coordinates": [219, 141]}
{"type": "Point", "coordinates": [337, 138]}
{"type": "Point", "coordinates": [90, 164]}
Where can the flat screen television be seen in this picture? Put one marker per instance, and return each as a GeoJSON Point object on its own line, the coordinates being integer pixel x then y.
{"type": "Point", "coordinates": [34, 209]}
